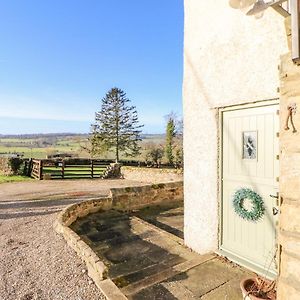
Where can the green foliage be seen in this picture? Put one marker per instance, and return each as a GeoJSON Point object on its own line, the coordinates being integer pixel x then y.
{"type": "Point", "coordinates": [174, 143]}
{"type": "Point", "coordinates": [15, 164]}
{"type": "Point", "coordinates": [170, 135]}
{"type": "Point", "coordinates": [116, 126]}
{"type": "Point", "coordinates": [258, 209]}
{"type": "Point", "coordinates": [12, 166]}
{"type": "Point", "coordinates": [154, 154]}
{"type": "Point", "coordinates": [178, 156]}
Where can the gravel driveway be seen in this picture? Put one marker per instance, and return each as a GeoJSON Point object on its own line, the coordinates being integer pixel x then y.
{"type": "Point", "coordinates": [35, 262]}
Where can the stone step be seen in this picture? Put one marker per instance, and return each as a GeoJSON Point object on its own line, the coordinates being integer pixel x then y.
{"type": "Point", "coordinates": [141, 273]}
{"type": "Point", "coordinates": [165, 274]}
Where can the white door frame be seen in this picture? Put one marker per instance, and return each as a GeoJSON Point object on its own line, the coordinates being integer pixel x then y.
{"type": "Point", "coordinates": [221, 111]}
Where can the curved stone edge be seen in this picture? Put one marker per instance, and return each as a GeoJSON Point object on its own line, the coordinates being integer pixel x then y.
{"type": "Point", "coordinates": [96, 268]}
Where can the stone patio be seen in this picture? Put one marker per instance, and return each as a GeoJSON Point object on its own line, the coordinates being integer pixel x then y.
{"type": "Point", "coordinates": [146, 257]}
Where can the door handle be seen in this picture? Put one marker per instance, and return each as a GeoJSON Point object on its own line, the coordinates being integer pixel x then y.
{"type": "Point", "coordinates": [274, 196]}
{"type": "Point", "coordinates": [275, 211]}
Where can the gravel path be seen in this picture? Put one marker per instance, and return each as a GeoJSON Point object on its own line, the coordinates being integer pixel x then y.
{"type": "Point", "coordinates": [35, 262]}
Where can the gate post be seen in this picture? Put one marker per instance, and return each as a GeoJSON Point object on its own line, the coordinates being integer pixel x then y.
{"type": "Point", "coordinates": [41, 170]}
{"type": "Point", "coordinates": [63, 169]}
{"type": "Point", "coordinates": [92, 168]}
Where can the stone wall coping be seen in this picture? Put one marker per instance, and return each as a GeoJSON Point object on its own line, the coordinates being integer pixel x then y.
{"type": "Point", "coordinates": [152, 175]}
{"type": "Point", "coordinates": [143, 168]}
{"type": "Point", "coordinates": [138, 189]}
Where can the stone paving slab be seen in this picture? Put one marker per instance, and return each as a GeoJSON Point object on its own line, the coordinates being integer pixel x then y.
{"type": "Point", "coordinates": [212, 280]}
{"type": "Point", "coordinates": [228, 291]}
{"type": "Point", "coordinates": [147, 262]}
{"type": "Point", "coordinates": [167, 217]}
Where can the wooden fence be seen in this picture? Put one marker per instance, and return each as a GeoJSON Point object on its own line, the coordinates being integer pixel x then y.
{"type": "Point", "coordinates": [77, 167]}
{"type": "Point", "coordinates": [68, 169]}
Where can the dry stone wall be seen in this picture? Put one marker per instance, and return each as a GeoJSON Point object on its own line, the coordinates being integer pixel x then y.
{"type": "Point", "coordinates": [4, 166]}
{"type": "Point", "coordinates": [289, 223]}
{"type": "Point", "coordinates": [152, 175]}
{"type": "Point", "coordinates": [137, 197]}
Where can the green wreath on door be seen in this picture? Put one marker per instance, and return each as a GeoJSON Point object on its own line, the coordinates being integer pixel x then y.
{"type": "Point", "coordinates": [258, 208]}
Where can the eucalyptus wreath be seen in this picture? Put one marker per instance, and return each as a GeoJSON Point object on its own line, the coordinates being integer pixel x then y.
{"type": "Point", "coordinates": [258, 208]}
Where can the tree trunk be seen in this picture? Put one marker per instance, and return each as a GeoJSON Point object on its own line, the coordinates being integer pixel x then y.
{"type": "Point", "coordinates": [117, 153]}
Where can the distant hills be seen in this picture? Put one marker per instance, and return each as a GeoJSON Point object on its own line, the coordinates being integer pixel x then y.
{"type": "Point", "coordinates": [41, 135]}
{"type": "Point", "coordinates": [65, 134]}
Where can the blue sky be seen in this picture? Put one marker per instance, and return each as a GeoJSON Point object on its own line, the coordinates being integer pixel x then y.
{"type": "Point", "coordinates": [58, 58]}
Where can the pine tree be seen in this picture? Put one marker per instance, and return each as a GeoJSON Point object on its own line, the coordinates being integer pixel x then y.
{"type": "Point", "coordinates": [170, 135]}
{"type": "Point", "coordinates": [116, 126]}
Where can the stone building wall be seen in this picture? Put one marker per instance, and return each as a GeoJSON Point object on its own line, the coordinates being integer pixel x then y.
{"type": "Point", "coordinates": [289, 222]}
{"type": "Point", "coordinates": [152, 175]}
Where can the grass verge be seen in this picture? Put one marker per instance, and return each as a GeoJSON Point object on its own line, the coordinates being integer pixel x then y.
{"type": "Point", "coordinates": [5, 179]}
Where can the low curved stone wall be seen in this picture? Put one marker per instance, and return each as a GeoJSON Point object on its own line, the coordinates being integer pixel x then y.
{"type": "Point", "coordinates": [96, 268]}
{"type": "Point", "coordinates": [129, 198]}
{"type": "Point", "coordinates": [119, 198]}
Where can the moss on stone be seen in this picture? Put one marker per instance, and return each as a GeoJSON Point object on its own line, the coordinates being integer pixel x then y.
{"type": "Point", "coordinates": [121, 282]}
{"type": "Point", "coordinates": [158, 186]}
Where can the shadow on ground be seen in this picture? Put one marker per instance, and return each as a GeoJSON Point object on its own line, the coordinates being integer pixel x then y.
{"type": "Point", "coordinates": [147, 263]}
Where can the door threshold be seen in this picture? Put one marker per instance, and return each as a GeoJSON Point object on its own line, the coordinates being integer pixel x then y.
{"type": "Point", "coordinates": [271, 275]}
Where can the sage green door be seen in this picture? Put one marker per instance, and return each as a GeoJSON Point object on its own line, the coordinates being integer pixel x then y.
{"type": "Point", "coordinates": [250, 149]}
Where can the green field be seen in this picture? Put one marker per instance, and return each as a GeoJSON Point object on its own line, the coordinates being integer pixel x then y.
{"type": "Point", "coordinates": [39, 146]}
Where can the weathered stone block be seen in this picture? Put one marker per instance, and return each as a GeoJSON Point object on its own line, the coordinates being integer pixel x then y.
{"type": "Point", "coordinates": [290, 243]}
{"type": "Point", "coordinates": [287, 292]}
{"type": "Point", "coordinates": [290, 218]}
{"type": "Point", "coordinates": [290, 268]}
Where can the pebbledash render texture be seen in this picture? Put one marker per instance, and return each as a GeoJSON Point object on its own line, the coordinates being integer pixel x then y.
{"type": "Point", "coordinates": [233, 59]}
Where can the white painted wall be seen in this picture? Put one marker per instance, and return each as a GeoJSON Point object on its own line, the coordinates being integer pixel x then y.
{"type": "Point", "coordinates": [229, 58]}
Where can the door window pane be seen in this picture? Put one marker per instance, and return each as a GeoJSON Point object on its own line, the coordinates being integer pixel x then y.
{"type": "Point", "coordinates": [249, 145]}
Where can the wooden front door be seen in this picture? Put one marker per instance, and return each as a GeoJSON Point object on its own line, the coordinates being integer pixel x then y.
{"type": "Point", "coordinates": [249, 160]}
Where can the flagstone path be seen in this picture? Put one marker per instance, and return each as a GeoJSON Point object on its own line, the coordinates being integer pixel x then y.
{"type": "Point", "coordinates": [147, 262]}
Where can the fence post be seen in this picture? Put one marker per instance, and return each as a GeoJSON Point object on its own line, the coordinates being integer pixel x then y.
{"type": "Point", "coordinates": [41, 170]}
{"type": "Point", "coordinates": [63, 169]}
{"type": "Point", "coordinates": [92, 168]}
{"type": "Point", "coordinates": [25, 169]}
{"type": "Point", "coordinates": [29, 167]}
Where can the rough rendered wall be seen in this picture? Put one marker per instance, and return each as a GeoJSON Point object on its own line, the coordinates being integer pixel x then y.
{"type": "Point", "coordinates": [289, 237]}
{"type": "Point", "coordinates": [228, 59]}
